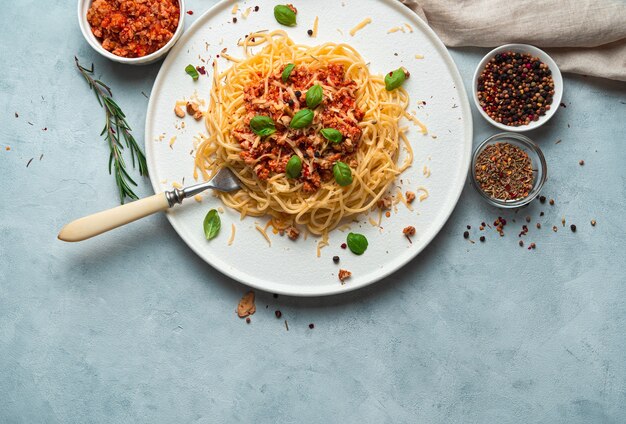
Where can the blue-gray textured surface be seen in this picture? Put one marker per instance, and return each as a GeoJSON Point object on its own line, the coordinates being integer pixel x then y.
{"type": "Point", "coordinates": [105, 332]}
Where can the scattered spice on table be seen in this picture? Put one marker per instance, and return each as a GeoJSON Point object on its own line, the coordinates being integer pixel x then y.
{"type": "Point", "coordinates": [16, 115]}
{"type": "Point", "coordinates": [336, 259]}
{"type": "Point", "coordinates": [499, 224]}
{"type": "Point", "coordinates": [469, 227]}
{"type": "Point", "coordinates": [31, 159]}
{"type": "Point", "coordinates": [521, 243]}
{"type": "Point", "coordinates": [562, 104]}
{"type": "Point", "coordinates": [559, 140]}
{"type": "Point", "coordinates": [563, 221]}
{"type": "Point", "coordinates": [190, 12]}
{"type": "Point", "coordinates": [554, 228]}
{"type": "Point", "coordinates": [538, 225]}
{"type": "Point", "coordinates": [532, 246]}
{"type": "Point", "coordinates": [504, 171]}
{"type": "Point", "coordinates": [551, 202]}
{"type": "Point", "coordinates": [573, 228]}
{"type": "Point", "coordinates": [466, 234]}
{"type": "Point", "coordinates": [593, 222]}
{"type": "Point", "coordinates": [528, 218]}
{"type": "Point", "coordinates": [524, 231]}
{"type": "Point", "coordinates": [482, 238]}
{"type": "Point", "coordinates": [286, 325]}
{"type": "Point", "coordinates": [343, 245]}
{"type": "Point", "coordinates": [248, 320]}
{"type": "Point", "coordinates": [581, 162]}
{"type": "Point", "coordinates": [541, 213]}
{"type": "Point", "coordinates": [278, 314]}
{"type": "Point", "coordinates": [311, 326]}
{"type": "Point", "coordinates": [515, 88]}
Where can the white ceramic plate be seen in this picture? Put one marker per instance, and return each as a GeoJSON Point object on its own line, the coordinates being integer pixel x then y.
{"type": "Point", "coordinates": [292, 267]}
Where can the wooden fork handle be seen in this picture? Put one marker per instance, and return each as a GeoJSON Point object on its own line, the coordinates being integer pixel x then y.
{"type": "Point", "coordinates": [104, 221]}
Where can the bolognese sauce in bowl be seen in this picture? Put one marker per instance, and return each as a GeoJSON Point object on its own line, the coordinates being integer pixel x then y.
{"type": "Point", "coordinates": [132, 31]}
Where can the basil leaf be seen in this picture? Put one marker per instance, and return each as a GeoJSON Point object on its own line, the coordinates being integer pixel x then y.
{"type": "Point", "coordinates": [191, 71]}
{"type": "Point", "coordinates": [394, 79]}
{"type": "Point", "coordinates": [357, 243]}
{"type": "Point", "coordinates": [294, 167]}
{"type": "Point", "coordinates": [287, 72]}
{"type": "Point", "coordinates": [332, 134]}
{"type": "Point", "coordinates": [262, 125]}
{"type": "Point", "coordinates": [284, 15]}
{"type": "Point", "coordinates": [302, 118]}
{"type": "Point", "coordinates": [314, 96]}
{"type": "Point", "coordinates": [212, 224]}
{"type": "Point", "coordinates": [342, 173]}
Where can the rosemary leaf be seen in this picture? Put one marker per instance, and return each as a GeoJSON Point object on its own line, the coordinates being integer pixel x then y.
{"type": "Point", "coordinates": [115, 130]}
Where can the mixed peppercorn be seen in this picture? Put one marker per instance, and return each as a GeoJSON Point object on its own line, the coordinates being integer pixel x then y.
{"type": "Point", "coordinates": [515, 88]}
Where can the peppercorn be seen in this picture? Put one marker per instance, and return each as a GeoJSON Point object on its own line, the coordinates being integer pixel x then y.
{"type": "Point", "coordinates": [343, 245]}
{"type": "Point", "coordinates": [532, 246]}
{"type": "Point", "coordinates": [298, 93]}
{"type": "Point", "coordinates": [311, 326]}
{"type": "Point", "coordinates": [527, 218]}
{"type": "Point", "coordinates": [310, 32]}
{"type": "Point", "coordinates": [482, 238]}
{"type": "Point", "coordinates": [551, 201]}
{"type": "Point", "coordinates": [248, 320]}
{"type": "Point", "coordinates": [541, 214]}
{"type": "Point", "coordinates": [593, 222]}
{"type": "Point", "coordinates": [581, 162]}
{"type": "Point", "coordinates": [256, 8]}
{"type": "Point", "coordinates": [483, 224]}
{"type": "Point", "coordinates": [542, 199]}
{"type": "Point", "coordinates": [521, 243]}
{"type": "Point", "coordinates": [554, 228]}
{"type": "Point", "coordinates": [466, 234]}
{"type": "Point", "coordinates": [278, 314]}
{"type": "Point", "coordinates": [234, 20]}
{"type": "Point", "coordinates": [538, 225]}
{"type": "Point", "coordinates": [573, 228]}
{"type": "Point", "coordinates": [336, 259]}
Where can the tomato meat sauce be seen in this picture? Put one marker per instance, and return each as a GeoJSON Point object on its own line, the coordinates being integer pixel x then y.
{"type": "Point", "coordinates": [280, 101]}
{"type": "Point", "coordinates": [133, 28]}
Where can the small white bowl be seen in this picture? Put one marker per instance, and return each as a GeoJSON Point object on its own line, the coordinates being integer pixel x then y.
{"type": "Point", "coordinates": [83, 7]}
{"type": "Point", "coordinates": [556, 76]}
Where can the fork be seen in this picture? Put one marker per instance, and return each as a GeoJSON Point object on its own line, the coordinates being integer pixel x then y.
{"type": "Point", "coordinates": [101, 222]}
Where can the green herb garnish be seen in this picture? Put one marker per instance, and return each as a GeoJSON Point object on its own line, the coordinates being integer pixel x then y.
{"type": "Point", "coordinates": [262, 125]}
{"type": "Point", "coordinates": [294, 167]}
{"type": "Point", "coordinates": [357, 243]}
{"type": "Point", "coordinates": [394, 79]}
{"type": "Point", "coordinates": [287, 72]}
{"type": "Point", "coordinates": [192, 72]}
{"type": "Point", "coordinates": [115, 127]}
{"type": "Point", "coordinates": [302, 118]}
{"type": "Point", "coordinates": [212, 224]}
{"type": "Point", "coordinates": [342, 173]}
{"type": "Point", "coordinates": [314, 96]}
{"type": "Point", "coordinates": [284, 15]}
{"type": "Point", "coordinates": [331, 134]}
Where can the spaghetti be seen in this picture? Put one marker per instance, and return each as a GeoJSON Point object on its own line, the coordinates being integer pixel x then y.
{"type": "Point", "coordinates": [369, 126]}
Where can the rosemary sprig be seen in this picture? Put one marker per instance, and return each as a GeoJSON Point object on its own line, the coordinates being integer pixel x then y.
{"type": "Point", "coordinates": [115, 124]}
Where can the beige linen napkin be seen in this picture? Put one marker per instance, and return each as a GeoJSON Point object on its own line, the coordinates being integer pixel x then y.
{"type": "Point", "coordinates": [582, 36]}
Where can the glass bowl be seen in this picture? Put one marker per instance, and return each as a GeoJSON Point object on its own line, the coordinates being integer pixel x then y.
{"type": "Point", "coordinates": [538, 162]}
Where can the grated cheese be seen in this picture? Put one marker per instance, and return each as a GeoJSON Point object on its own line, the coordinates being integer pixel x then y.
{"type": "Point", "coordinates": [246, 13]}
{"type": "Point", "coordinates": [172, 141]}
{"type": "Point", "coordinates": [409, 27]}
{"type": "Point", "coordinates": [395, 29]}
{"type": "Point", "coordinates": [419, 56]}
{"type": "Point", "coordinates": [424, 195]}
{"type": "Point", "coordinates": [235, 9]}
{"type": "Point", "coordinates": [177, 185]}
{"type": "Point", "coordinates": [197, 198]}
{"type": "Point", "coordinates": [315, 24]}
{"type": "Point", "coordinates": [360, 26]}
{"type": "Point", "coordinates": [233, 230]}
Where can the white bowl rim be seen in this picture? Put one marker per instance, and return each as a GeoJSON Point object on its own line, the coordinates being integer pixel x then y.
{"type": "Point", "coordinates": [545, 58]}
{"type": "Point", "coordinates": [143, 60]}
